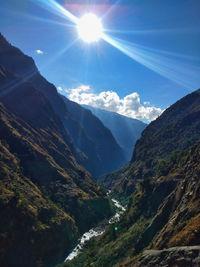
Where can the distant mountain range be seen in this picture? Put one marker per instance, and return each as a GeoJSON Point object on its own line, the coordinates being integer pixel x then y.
{"type": "Point", "coordinates": [125, 130]}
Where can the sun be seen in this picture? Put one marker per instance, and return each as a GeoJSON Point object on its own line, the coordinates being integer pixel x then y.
{"type": "Point", "coordinates": [90, 28]}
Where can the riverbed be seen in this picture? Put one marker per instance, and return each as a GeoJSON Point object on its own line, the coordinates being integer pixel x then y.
{"type": "Point", "coordinates": [97, 231]}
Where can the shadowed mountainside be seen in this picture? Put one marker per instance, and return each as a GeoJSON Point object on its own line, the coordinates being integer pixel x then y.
{"type": "Point", "coordinates": [101, 153]}
{"type": "Point", "coordinates": [46, 199]}
{"type": "Point", "coordinates": [109, 155]}
{"type": "Point", "coordinates": [125, 130]}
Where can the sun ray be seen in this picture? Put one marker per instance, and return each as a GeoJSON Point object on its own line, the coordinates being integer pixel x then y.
{"type": "Point", "coordinates": [42, 19]}
{"type": "Point", "coordinates": [153, 31]}
{"type": "Point", "coordinates": [111, 8]}
{"type": "Point", "coordinates": [60, 53]}
{"type": "Point", "coordinates": [57, 9]}
{"type": "Point", "coordinates": [16, 83]}
{"type": "Point", "coordinates": [86, 68]}
{"type": "Point", "coordinates": [183, 74]}
{"type": "Point", "coordinates": [49, 21]}
{"type": "Point", "coordinates": [159, 61]}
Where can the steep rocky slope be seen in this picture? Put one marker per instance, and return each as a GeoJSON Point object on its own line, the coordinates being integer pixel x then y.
{"type": "Point", "coordinates": [47, 200]}
{"type": "Point", "coordinates": [34, 230]}
{"type": "Point", "coordinates": [163, 210]}
{"type": "Point", "coordinates": [125, 130]}
{"type": "Point", "coordinates": [172, 257]}
{"type": "Point", "coordinates": [100, 155]}
{"type": "Point", "coordinates": [174, 131]}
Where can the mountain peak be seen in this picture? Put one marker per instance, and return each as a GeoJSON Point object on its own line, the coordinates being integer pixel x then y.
{"type": "Point", "coordinates": [3, 41]}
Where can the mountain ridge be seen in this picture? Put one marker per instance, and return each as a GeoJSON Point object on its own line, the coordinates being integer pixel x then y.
{"type": "Point", "coordinates": [44, 192]}
{"type": "Point", "coordinates": [168, 134]}
{"type": "Point", "coordinates": [90, 155]}
{"type": "Point", "coordinates": [105, 144]}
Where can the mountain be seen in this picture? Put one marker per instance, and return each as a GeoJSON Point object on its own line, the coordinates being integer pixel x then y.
{"type": "Point", "coordinates": [174, 131]}
{"type": "Point", "coordinates": [125, 130]}
{"type": "Point", "coordinates": [24, 66]}
{"type": "Point", "coordinates": [47, 200]}
{"type": "Point", "coordinates": [108, 155]}
{"type": "Point", "coordinates": [162, 224]}
{"type": "Point", "coordinates": [100, 152]}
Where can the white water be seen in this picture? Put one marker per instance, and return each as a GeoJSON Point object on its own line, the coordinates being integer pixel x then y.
{"type": "Point", "coordinates": [84, 239]}
{"type": "Point", "coordinates": [96, 231]}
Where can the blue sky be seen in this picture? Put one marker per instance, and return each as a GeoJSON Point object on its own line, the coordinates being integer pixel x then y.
{"type": "Point", "coordinates": [158, 60]}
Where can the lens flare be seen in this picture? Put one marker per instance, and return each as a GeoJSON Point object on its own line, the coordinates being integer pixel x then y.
{"type": "Point", "coordinates": [57, 9]}
{"type": "Point", "coordinates": [90, 28]}
{"type": "Point", "coordinates": [164, 63]}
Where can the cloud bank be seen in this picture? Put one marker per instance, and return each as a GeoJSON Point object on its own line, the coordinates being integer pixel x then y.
{"type": "Point", "coordinates": [129, 106]}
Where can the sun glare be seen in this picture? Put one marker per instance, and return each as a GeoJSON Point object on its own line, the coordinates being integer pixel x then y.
{"type": "Point", "coordinates": [90, 28]}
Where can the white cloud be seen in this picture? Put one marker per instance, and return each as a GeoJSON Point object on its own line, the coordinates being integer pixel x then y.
{"type": "Point", "coordinates": [60, 88]}
{"type": "Point", "coordinates": [146, 103]}
{"type": "Point", "coordinates": [129, 106]}
{"type": "Point", "coordinates": [39, 52]}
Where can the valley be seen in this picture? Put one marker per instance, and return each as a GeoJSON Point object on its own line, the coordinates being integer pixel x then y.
{"type": "Point", "coordinates": [99, 134]}
{"type": "Point", "coordinates": [97, 231]}
{"type": "Point", "coordinates": [162, 216]}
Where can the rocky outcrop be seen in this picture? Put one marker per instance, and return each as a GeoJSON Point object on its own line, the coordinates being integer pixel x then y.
{"type": "Point", "coordinates": [173, 257]}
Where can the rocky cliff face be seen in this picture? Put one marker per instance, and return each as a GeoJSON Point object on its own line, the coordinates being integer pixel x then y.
{"type": "Point", "coordinates": [163, 212]}
{"type": "Point", "coordinates": [100, 152]}
{"type": "Point", "coordinates": [46, 199]}
{"type": "Point", "coordinates": [174, 131]}
{"type": "Point", "coordinates": [173, 257]}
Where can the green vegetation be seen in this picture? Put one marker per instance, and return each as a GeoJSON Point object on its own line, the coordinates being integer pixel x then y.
{"type": "Point", "coordinates": [162, 212]}
{"type": "Point", "coordinates": [161, 145]}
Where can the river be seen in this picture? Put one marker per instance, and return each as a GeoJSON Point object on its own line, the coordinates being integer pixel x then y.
{"type": "Point", "coordinates": [94, 232]}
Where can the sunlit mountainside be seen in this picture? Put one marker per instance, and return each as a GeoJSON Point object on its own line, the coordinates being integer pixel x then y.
{"type": "Point", "coordinates": [171, 134]}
